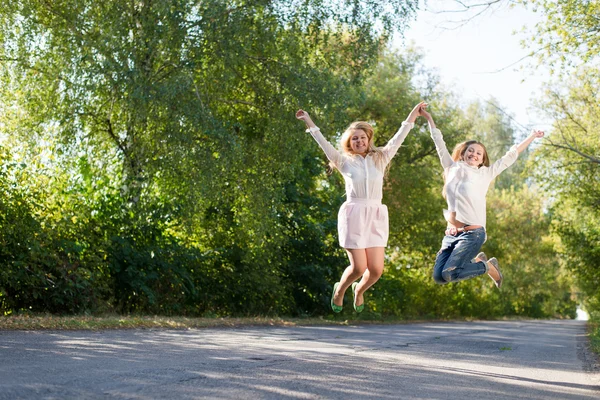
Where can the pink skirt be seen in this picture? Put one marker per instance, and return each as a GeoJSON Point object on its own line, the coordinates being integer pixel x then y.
{"type": "Point", "coordinates": [363, 223]}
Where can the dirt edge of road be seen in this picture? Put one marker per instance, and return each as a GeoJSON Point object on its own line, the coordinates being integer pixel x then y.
{"type": "Point", "coordinates": [590, 360]}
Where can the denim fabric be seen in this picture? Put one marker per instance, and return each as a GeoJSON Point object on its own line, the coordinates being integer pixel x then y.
{"type": "Point", "coordinates": [454, 260]}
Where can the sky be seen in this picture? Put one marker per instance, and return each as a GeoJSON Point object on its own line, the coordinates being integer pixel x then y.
{"type": "Point", "coordinates": [476, 60]}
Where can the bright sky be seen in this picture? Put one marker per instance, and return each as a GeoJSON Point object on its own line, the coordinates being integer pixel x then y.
{"type": "Point", "coordinates": [467, 58]}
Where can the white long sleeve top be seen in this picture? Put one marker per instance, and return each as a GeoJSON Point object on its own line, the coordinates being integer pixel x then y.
{"type": "Point", "coordinates": [362, 177]}
{"type": "Point", "coordinates": [467, 186]}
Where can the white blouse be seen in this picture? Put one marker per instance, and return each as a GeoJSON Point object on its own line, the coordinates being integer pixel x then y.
{"type": "Point", "coordinates": [467, 186]}
{"type": "Point", "coordinates": [362, 177]}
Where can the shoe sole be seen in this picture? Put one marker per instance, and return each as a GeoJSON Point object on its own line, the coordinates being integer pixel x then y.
{"type": "Point", "coordinates": [494, 262]}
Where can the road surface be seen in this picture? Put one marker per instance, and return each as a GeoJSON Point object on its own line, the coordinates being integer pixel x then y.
{"type": "Point", "coordinates": [463, 360]}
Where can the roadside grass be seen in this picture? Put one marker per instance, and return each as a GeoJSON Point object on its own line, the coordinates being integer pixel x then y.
{"type": "Point", "coordinates": [594, 329]}
{"type": "Point", "coordinates": [32, 321]}
{"type": "Point", "coordinates": [114, 321]}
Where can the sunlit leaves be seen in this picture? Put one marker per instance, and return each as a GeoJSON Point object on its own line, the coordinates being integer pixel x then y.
{"type": "Point", "coordinates": [569, 34]}
{"type": "Point", "coordinates": [568, 168]}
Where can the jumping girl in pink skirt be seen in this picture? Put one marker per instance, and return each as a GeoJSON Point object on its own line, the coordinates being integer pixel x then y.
{"type": "Point", "coordinates": [363, 225]}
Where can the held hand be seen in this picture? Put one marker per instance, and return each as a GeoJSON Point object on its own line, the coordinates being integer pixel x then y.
{"type": "Point", "coordinates": [412, 117]}
{"type": "Point", "coordinates": [423, 112]}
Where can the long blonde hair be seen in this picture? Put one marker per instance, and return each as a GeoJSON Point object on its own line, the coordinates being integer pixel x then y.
{"type": "Point", "coordinates": [459, 152]}
{"type": "Point", "coordinates": [378, 155]}
{"type": "Point", "coordinates": [460, 149]}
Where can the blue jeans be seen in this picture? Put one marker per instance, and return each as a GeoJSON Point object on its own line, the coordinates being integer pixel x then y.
{"type": "Point", "coordinates": [454, 260]}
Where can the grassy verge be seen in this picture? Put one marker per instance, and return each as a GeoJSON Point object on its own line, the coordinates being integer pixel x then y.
{"type": "Point", "coordinates": [594, 329]}
{"type": "Point", "coordinates": [115, 321]}
{"type": "Point", "coordinates": [53, 322]}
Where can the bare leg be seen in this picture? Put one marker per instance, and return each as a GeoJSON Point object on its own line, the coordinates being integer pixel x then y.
{"type": "Point", "coordinates": [357, 267]}
{"type": "Point", "coordinates": [375, 259]}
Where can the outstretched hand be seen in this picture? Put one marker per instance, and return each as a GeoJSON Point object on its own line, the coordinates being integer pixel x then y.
{"type": "Point", "coordinates": [303, 116]}
{"type": "Point", "coordinates": [537, 134]}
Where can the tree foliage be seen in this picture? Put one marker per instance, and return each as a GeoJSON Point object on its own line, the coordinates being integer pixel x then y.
{"type": "Point", "coordinates": [569, 33]}
{"type": "Point", "coordinates": [151, 162]}
{"type": "Point", "coordinates": [167, 124]}
{"type": "Point", "coordinates": [569, 169]}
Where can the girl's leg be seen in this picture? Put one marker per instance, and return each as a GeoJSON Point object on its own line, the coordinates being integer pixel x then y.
{"type": "Point", "coordinates": [459, 267]}
{"type": "Point", "coordinates": [442, 257]}
{"type": "Point", "coordinates": [357, 267]}
{"type": "Point", "coordinates": [375, 259]}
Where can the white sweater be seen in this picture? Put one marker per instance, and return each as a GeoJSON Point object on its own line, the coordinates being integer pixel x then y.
{"type": "Point", "coordinates": [467, 186]}
{"type": "Point", "coordinates": [362, 177]}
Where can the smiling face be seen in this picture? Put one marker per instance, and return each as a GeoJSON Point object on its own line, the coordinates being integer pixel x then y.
{"type": "Point", "coordinates": [359, 141]}
{"type": "Point", "coordinates": [474, 155]}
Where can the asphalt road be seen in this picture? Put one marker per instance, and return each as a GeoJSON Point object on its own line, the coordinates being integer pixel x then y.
{"type": "Point", "coordinates": [466, 360]}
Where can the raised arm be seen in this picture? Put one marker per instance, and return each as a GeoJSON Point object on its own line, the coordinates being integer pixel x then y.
{"type": "Point", "coordinates": [331, 152]}
{"type": "Point", "coordinates": [437, 137]}
{"type": "Point", "coordinates": [391, 148]}
{"type": "Point", "coordinates": [525, 143]}
{"type": "Point", "coordinates": [511, 156]}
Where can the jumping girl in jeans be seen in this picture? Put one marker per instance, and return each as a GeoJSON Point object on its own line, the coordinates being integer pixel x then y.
{"type": "Point", "coordinates": [363, 225]}
{"type": "Point", "coordinates": [467, 176]}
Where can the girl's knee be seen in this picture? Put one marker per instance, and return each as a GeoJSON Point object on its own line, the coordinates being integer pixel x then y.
{"type": "Point", "coordinates": [447, 274]}
{"type": "Point", "coordinates": [375, 273]}
{"type": "Point", "coordinates": [358, 270]}
{"type": "Point", "coordinates": [439, 279]}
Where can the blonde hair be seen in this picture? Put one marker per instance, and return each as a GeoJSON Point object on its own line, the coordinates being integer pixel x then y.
{"type": "Point", "coordinates": [460, 149]}
{"type": "Point", "coordinates": [378, 155]}
{"type": "Point", "coordinates": [459, 152]}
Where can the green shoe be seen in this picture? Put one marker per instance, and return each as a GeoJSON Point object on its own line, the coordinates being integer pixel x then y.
{"type": "Point", "coordinates": [360, 308]}
{"type": "Point", "coordinates": [335, 307]}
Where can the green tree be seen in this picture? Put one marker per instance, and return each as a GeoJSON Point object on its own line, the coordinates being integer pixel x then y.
{"type": "Point", "coordinates": [520, 235]}
{"type": "Point", "coordinates": [569, 170]}
{"type": "Point", "coordinates": [569, 33]}
{"type": "Point", "coordinates": [169, 125]}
